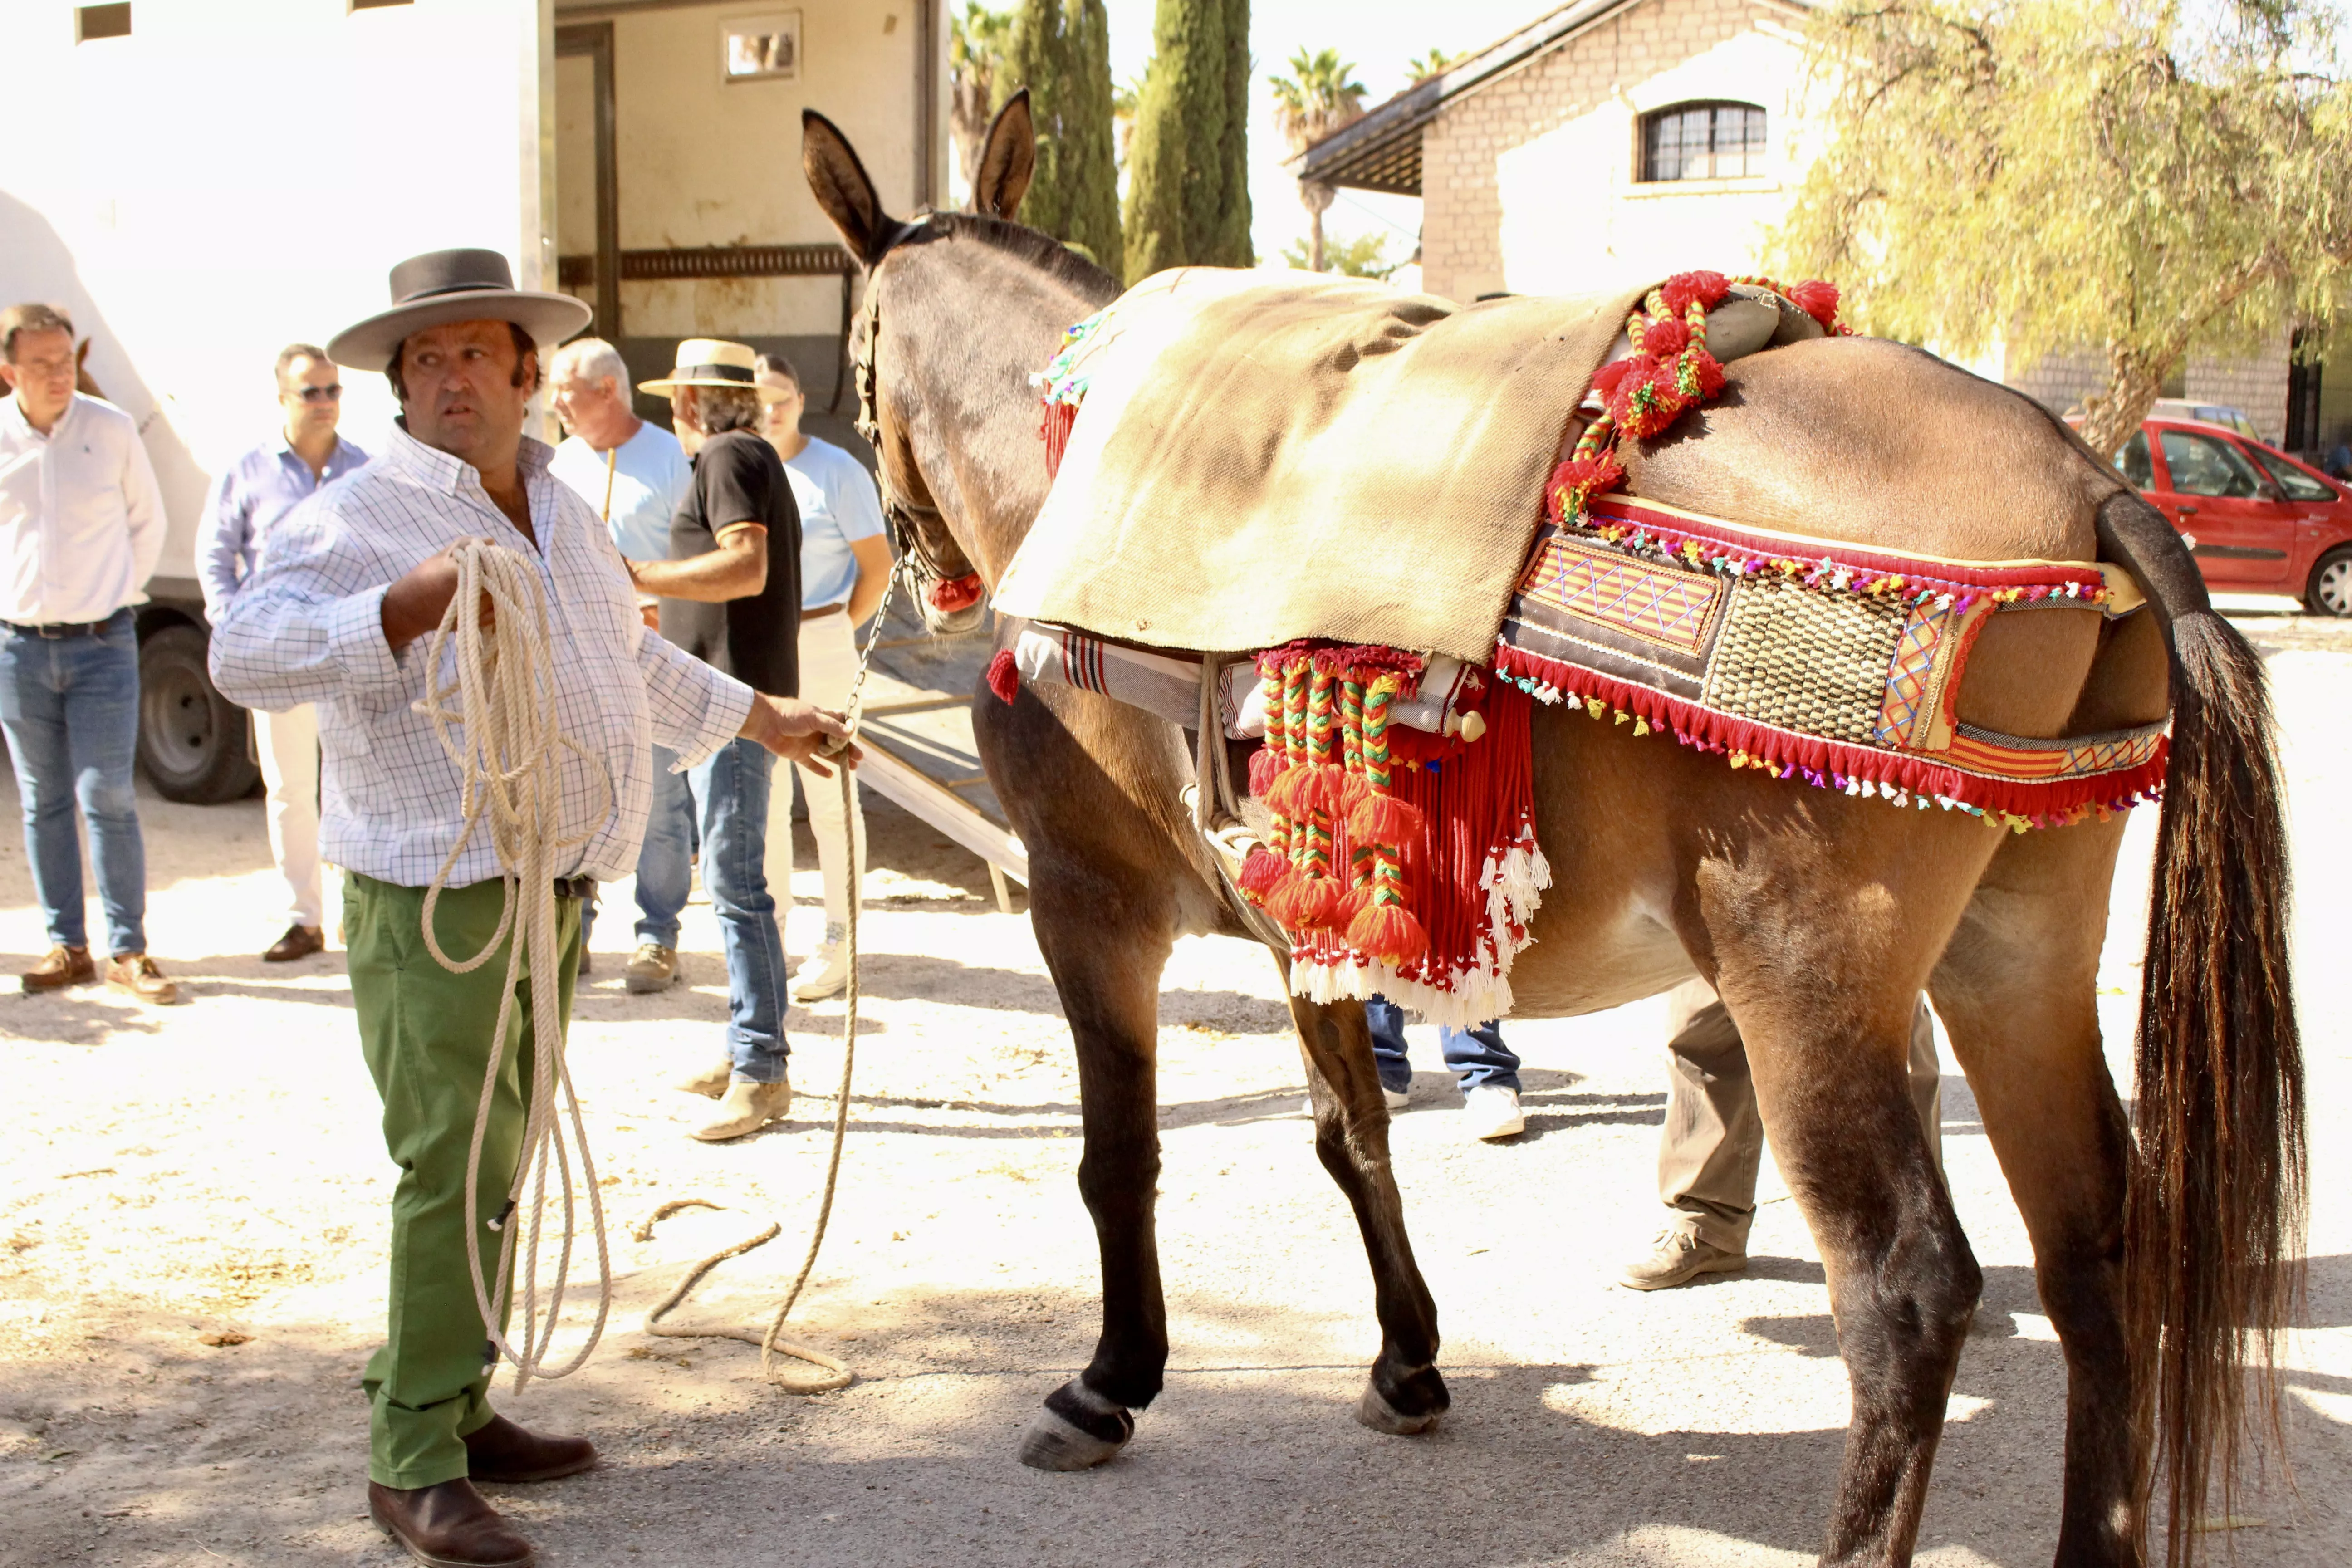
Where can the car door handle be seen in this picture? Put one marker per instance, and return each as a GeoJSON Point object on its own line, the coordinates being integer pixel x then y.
{"type": "Point", "coordinates": [2189, 511]}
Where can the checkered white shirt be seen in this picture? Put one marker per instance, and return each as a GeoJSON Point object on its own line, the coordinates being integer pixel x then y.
{"type": "Point", "coordinates": [309, 628]}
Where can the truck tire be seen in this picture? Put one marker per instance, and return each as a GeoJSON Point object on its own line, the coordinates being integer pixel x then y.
{"type": "Point", "coordinates": [192, 740]}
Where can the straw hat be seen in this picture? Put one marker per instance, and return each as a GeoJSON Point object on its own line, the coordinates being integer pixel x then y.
{"type": "Point", "coordinates": [714, 362]}
{"type": "Point", "coordinates": [445, 286]}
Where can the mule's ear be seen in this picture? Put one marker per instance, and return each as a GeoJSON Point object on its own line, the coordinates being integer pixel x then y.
{"type": "Point", "coordinates": [1008, 161]}
{"type": "Point", "coordinates": [843, 189]}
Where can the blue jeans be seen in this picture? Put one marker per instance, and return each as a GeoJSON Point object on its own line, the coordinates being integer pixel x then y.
{"type": "Point", "coordinates": [661, 853]}
{"type": "Point", "coordinates": [71, 709]}
{"type": "Point", "coordinates": [1476, 1056]}
{"type": "Point", "coordinates": [727, 794]}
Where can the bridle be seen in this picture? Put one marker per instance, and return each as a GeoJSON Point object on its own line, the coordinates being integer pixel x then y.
{"type": "Point", "coordinates": [933, 584]}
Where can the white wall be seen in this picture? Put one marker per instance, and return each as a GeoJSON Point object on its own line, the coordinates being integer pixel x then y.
{"type": "Point", "coordinates": [241, 173]}
{"type": "Point", "coordinates": [1574, 215]}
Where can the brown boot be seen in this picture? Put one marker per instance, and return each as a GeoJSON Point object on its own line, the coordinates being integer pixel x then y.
{"type": "Point", "coordinates": [61, 967]}
{"type": "Point", "coordinates": [449, 1525]}
{"type": "Point", "coordinates": [502, 1452]}
{"type": "Point", "coordinates": [299, 942]}
{"type": "Point", "coordinates": [135, 974]}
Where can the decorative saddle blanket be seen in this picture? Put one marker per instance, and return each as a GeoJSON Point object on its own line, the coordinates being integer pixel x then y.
{"type": "Point", "coordinates": [1391, 823]}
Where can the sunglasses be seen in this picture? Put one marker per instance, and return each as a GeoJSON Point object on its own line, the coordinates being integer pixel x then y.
{"type": "Point", "coordinates": [330, 394]}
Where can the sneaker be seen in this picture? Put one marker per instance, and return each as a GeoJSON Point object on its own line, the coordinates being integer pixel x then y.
{"type": "Point", "coordinates": [711, 1082]}
{"type": "Point", "coordinates": [1397, 1099]}
{"type": "Point", "coordinates": [651, 968]}
{"type": "Point", "coordinates": [1677, 1257]}
{"type": "Point", "coordinates": [826, 973]}
{"type": "Point", "coordinates": [135, 974]}
{"type": "Point", "coordinates": [747, 1108]}
{"type": "Point", "coordinates": [1494, 1111]}
{"type": "Point", "coordinates": [58, 968]}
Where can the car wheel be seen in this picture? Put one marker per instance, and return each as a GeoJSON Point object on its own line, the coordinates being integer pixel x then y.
{"type": "Point", "coordinates": [2330, 589]}
{"type": "Point", "coordinates": [192, 740]}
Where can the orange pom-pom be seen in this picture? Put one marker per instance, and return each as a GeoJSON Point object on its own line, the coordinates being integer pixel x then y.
{"type": "Point", "coordinates": [1282, 796]}
{"type": "Point", "coordinates": [1350, 904]}
{"type": "Point", "coordinates": [1266, 767]}
{"type": "Point", "coordinates": [1004, 676]}
{"type": "Point", "coordinates": [1346, 791]}
{"type": "Point", "coordinates": [1817, 299]}
{"type": "Point", "coordinates": [1704, 290]}
{"type": "Point", "coordinates": [1385, 819]}
{"type": "Point", "coordinates": [1390, 934]}
{"type": "Point", "coordinates": [1304, 903]}
{"type": "Point", "coordinates": [1261, 873]}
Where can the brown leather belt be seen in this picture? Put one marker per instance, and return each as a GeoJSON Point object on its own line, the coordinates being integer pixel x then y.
{"type": "Point", "coordinates": [575, 887]}
{"type": "Point", "coordinates": [823, 610]}
{"type": "Point", "coordinates": [55, 630]}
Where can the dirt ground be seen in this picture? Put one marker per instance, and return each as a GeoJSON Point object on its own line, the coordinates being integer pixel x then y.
{"type": "Point", "coordinates": [173, 1178]}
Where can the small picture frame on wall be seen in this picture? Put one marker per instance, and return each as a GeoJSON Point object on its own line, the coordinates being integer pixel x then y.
{"type": "Point", "coordinates": [761, 47]}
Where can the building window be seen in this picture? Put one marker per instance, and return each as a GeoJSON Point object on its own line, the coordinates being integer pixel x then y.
{"type": "Point", "coordinates": [760, 48]}
{"type": "Point", "coordinates": [1703, 142]}
{"type": "Point", "coordinates": [101, 22]}
{"type": "Point", "coordinates": [377, 4]}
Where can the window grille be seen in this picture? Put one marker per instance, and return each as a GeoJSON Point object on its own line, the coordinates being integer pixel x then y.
{"type": "Point", "coordinates": [1703, 142]}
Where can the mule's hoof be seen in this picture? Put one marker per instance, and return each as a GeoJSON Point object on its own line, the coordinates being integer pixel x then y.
{"type": "Point", "coordinates": [1374, 1411]}
{"type": "Point", "coordinates": [1077, 1430]}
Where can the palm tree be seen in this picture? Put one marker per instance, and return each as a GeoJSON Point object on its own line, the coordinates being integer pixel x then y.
{"type": "Point", "coordinates": [1317, 97]}
{"type": "Point", "coordinates": [1427, 66]}
{"type": "Point", "coordinates": [976, 43]}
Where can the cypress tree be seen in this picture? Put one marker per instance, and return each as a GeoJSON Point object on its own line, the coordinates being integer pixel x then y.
{"type": "Point", "coordinates": [1060, 50]}
{"type": "Point", "coordinates": [1188, 175]}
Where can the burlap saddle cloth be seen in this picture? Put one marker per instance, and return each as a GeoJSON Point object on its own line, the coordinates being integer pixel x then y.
{"type": "Point", "coordinates": [1263, 457]}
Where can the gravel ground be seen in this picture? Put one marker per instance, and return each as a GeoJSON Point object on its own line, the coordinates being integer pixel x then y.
{"type": "Point", "coordinates": [173, 1179]}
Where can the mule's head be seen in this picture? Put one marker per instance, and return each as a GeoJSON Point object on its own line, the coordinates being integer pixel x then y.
{"type": "Point", "coordinates": [933, 544]}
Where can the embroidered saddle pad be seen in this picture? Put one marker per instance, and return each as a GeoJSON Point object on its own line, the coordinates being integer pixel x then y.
{"type": "Point", "coordinates": [1263, 456]}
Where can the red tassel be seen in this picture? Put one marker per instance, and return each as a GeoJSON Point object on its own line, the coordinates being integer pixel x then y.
{"type": "Point", "coordinates": [1605, 379]}
{"type": "Point", "coordinates": [1385, 819]}
{"type": "Point", "coordinates": [1388, 932]}
{"type": "Point", "coordinates": [1664, 338]}
{"type": "Point", "coordinates": [1004, 676]}
{"type": "Point", "coordinates": [1711, 374]}
{"type": "Point", "coordinates": [1818, 300]}
{"type": "Point", "coordinates": [1304, 903]}
{"type": "Point", "coordinates": [1282, 796]}
{"type": "Point", "coordinates": [1347, 792]}
{"type": "Point", "coordinates": [1265, 765]}
{"type": "Point", "coordinates": [1351, 906]}
{"type": "Point", "coordinates": [1261, 873]}
{"type": "Point", "coordinates": [1643, 416]}
{"type": "Point", "coordinates": [1704, 290]}
{"type": "Point", "coordinates": [1581, 477]}
{"type": "Point", "coordinates": [953, 593]}
{"type": "Point", "coordinates": [1059, 418]}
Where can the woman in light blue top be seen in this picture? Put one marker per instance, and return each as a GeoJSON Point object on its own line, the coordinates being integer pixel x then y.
{"type": "Point", "coordinates": [845, 567]}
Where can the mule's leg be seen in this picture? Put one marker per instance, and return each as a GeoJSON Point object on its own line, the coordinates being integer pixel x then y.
{"type": "Point", "coordinates": [1105, 957]}
{"type": "Point", "coordinates": [1820, 964]}
{"type": "Point", "coordinates": [2017, 989]}
{"type": "Point", "coordinates": [1405, 1394]}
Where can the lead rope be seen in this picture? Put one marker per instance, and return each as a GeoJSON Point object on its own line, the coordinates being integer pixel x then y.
{"type": "Point", "coordinates": [504, 736]}
{"type": "Point", "coordinates": [772, 1343]}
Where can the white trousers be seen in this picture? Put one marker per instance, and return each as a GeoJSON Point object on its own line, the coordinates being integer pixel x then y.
{"type": "Point", "coordinates": [288, 745]}
{"type": "Point", "coordinates": [828, 648]}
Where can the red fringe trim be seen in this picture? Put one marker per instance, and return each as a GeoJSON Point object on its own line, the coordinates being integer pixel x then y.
{"type": "Point", "coordinates": [1059, 418]}
{"type": "Point", "coordinates": [1828, 765]}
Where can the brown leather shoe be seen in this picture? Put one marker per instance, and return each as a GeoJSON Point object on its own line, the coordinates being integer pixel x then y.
{"type": "Point", "coordinates": [299, 942]}
{"type": "Point", "coordinates": [503, 1452]}
{"type": "Point", "coordinates": [135, 974]}
{"type": "Point", "coordinates": [449, 1525]}
{"type": "Point", "coordinates": [60, 967]}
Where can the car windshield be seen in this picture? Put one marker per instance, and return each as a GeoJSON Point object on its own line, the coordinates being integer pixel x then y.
{"type": "Point", "coordinates": [2209, 465]}
{"type": "Point", "coordinates": [2298, 485]}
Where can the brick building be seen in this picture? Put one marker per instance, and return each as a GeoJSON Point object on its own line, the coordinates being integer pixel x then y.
{"type": "Point", "coordinates": [1614, 139]}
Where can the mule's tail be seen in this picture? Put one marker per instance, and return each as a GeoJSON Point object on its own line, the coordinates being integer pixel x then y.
{"type": "Point", "coordinates": [2214, 1211]}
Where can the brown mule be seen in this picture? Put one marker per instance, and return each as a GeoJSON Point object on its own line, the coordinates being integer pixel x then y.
{"type": "Point", "coordinates": [2166, 1269]}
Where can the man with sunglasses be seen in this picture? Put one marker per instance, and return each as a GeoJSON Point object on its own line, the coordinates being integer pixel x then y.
{"type": "Point", "coordinates": [250, 496]}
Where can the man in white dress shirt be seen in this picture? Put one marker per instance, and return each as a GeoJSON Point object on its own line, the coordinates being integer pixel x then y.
{"type": "Point", "coordinates": [348, 588]}
{"type": "Point", "coordinates": [81, 527]}
{"type": "Point", "coordinates": [246, 501]}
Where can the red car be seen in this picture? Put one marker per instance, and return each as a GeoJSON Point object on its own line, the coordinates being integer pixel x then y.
{"type": "Point", "coordinates": [2257, 521]}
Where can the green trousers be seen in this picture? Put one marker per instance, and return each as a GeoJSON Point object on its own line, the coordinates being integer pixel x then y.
{"type": "Point", "coordinates": [427, 1036]}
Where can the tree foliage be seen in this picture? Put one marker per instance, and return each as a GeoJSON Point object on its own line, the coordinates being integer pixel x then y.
{"type": "Point", "coordinates": [1366, 256]}
{"type": "Point", "coordinates": [2123, 175]}
{"type": "Point", "coordinates": [1320, 95]}
{"type": "Point", "coordinates": [976, 40]}
{"type": "Point", "coordinates": [1060, 50]}
{"type": "Point", "coordinates": [1188, 202]}
{"type": "Point", "coordinates": [1427, 66]}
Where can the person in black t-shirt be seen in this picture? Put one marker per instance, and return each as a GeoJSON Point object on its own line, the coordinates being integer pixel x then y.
{"type": "Point", "coordinates": [730, 596]}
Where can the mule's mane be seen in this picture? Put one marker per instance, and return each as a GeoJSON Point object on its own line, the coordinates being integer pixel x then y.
{"type": "Point", "coordinates": [1040, 250]}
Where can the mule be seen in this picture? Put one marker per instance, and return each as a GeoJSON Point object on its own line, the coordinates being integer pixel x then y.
{"type": "Point", "coordinates": [2165, 1265]}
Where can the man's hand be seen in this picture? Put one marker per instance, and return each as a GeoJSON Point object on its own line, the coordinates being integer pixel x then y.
{"type": "Point", "coordinates": [797, 731]}
{"type": "Point", "coordinates": [414, 605]}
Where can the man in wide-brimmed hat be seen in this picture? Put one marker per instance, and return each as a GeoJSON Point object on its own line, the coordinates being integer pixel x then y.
{"type": "Point", "coordinates": [351, 581]}
{"type": "Point", "coordinates": [730, 596]}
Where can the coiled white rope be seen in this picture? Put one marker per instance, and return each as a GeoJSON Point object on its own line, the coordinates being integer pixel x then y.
{"type": "Point", "coordinates": [501, 726]}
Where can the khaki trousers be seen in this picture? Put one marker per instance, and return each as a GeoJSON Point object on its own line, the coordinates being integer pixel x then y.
{"type": "Point", "coordinates": [287, 745]}
{"type": "Point", "coordinates": [828, 648]}
{"type": "Point", "coordinates": [1714, 1139]}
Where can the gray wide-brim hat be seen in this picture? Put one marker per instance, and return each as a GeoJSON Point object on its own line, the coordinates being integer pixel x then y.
{"type": "Point", "coordinates": [445, 286]}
